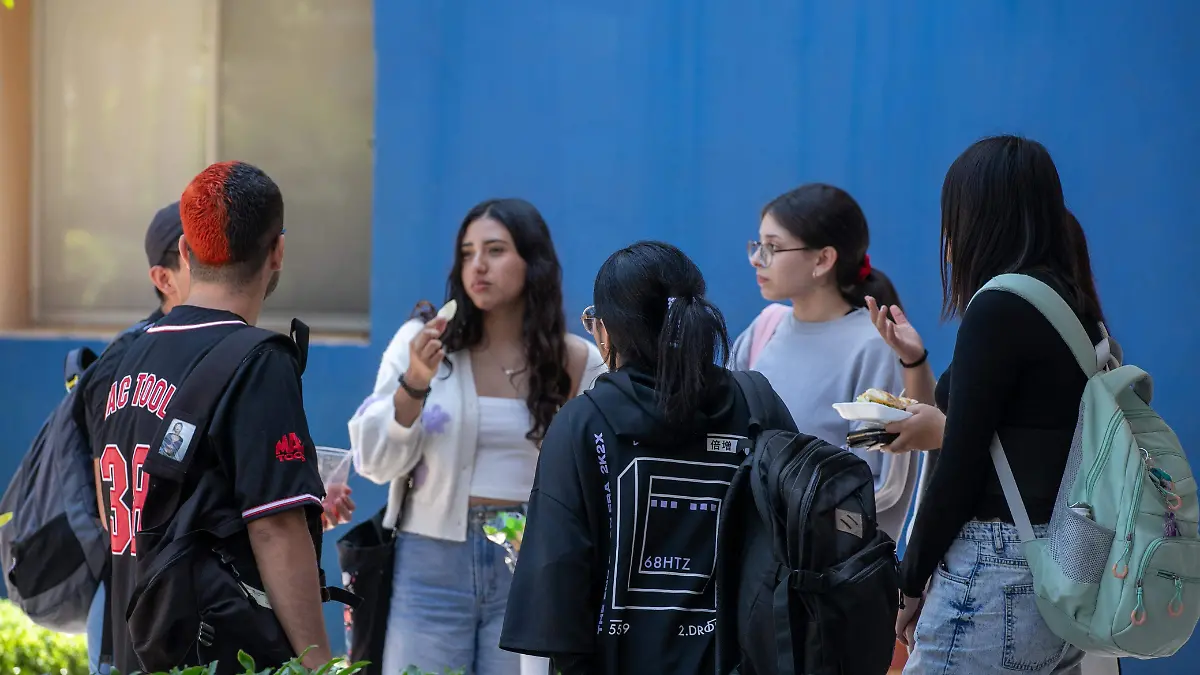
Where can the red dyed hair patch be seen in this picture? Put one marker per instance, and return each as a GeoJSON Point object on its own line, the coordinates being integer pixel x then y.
{"type": "Point", "coordinates": [204, 210]}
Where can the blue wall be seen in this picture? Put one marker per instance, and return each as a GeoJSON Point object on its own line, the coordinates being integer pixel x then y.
{"type": "Point", "coordinates": [679, 119]}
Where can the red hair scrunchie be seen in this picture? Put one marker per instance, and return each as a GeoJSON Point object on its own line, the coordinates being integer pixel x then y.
{"type": "Point", "coordinates": [865, 270]}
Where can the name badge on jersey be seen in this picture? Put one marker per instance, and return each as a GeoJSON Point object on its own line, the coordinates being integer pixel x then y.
{"type": "Point", "coordinates": [729, 444]}
{"type": "Point", "coordinates": [174, 446]}
{"type": "Point", "coordinates": [176, 442]}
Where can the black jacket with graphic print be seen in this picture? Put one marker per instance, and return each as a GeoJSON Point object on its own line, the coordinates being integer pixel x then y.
{"type": "Point", "coordinates": [614, 573]}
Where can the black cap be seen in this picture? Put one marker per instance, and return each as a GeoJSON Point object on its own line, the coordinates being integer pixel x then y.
{"type": "Point", "coordinates": [163, 235]}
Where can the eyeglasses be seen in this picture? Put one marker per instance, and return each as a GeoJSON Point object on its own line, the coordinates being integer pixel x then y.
{"type": "Point", "coordinates": [766, 252]}
{"type": "Point", "coordinates": [589, 319]}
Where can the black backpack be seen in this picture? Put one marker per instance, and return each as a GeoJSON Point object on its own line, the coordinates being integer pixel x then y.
{"type": "Point", "coordinates": [55, 550]}
{"type": "Point", "coordinates": [806, 581]}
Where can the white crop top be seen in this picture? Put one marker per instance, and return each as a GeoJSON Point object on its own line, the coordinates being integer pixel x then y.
{"type": "Point", "coordinates": [505, 460]}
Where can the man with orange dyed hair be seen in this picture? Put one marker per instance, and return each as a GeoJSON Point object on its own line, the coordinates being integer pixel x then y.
{"type": "Point", "coordinates": [230, 549]}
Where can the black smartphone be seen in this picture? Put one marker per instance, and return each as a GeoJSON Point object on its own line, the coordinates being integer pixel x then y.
{"type": "Point", "coordinates": [866, 438]}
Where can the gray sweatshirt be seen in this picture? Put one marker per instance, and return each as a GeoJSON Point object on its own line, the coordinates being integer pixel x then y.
{"type": "Point", "coordinates": [814, 365]}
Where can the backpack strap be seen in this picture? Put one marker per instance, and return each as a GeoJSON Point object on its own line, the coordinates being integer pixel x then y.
{"type": "Point", "coordinates": [763, 328]}
{"type": "Point", "coordinates": [299, 333]}
{"type": "Point", "coordinates": [752, 384]}
{"type": "Point", "coordinates": [1060, 315]}
{"type": "Point", "coordinates": [1091, 359]}
{"type": "Point", "coordinates": [105, 657]}
{"type": "Point", "coordinates": [191, 408]}
{"type": "Point", "coordinates": [1012, 494]}
{"type": "Point", "coordinates": [77, 362]}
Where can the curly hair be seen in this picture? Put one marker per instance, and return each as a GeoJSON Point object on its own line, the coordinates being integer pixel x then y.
{"type": "Point", "coordinates": [544, 325]}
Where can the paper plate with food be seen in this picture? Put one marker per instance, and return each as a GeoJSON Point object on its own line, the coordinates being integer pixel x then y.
{"type": "Point", "coordinates": [876, 406]}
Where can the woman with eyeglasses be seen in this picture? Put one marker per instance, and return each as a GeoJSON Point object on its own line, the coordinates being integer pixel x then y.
{"type": "Point", "coordinates": [620, 547]}
{"type": "Point", "coordinates": [824, 349]}
{"type": "Point", "coordinates": [459, 411]}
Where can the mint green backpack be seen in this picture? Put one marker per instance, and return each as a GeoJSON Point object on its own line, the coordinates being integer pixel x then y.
{"type": "Point", "coordinates": [1118, 573]}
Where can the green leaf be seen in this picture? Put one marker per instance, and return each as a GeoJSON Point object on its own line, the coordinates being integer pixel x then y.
{"type": "Point", "coordinates": [246, 661]}
{"type": "Point", "coordinates": [354, 667]}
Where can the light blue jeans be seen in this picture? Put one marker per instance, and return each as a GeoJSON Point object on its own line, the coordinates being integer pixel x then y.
{"type": "Point", "coordinates": [95, 636]}
{"type": "Point", "coordinates": [979, 615]}
{"type": "Point", "coordinates": [448, 601]}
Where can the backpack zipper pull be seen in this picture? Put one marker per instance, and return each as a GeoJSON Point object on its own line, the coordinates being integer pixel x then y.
{"type": "Point", "coordinates": [1175, 606]}
{"type": "Point", "coordinates": [1138, 615]}
{"type": "Point", "coordinates": [1123, 561]}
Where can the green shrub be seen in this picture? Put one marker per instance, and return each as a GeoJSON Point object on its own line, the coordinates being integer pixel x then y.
{"type": "Point", "coordinates": [294, 667]}
{"type": "Point", "coordinates": [28, 649]}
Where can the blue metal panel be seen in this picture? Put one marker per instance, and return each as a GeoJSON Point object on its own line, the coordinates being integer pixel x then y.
{"type": "Point", "coordinates": [679, 119]}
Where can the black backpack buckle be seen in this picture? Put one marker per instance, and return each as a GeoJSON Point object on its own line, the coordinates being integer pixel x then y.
{"type": "Point", "coordinates": [206, 635]}
{"type": "Point", "coordinates": [803, 581]}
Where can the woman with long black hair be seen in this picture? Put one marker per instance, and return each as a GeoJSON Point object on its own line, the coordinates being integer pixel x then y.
{"type": "Point", "coordinates": [617, 561]}
{"type": "Point", "coordinates": [460, 407]}
{"type": "Point", "coordinates": [968, 603]}
{"type": "Point", "coordinates": [925, 428]}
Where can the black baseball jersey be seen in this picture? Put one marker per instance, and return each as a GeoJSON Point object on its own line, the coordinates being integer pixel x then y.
{"type": "Point", "coordinates": [258, 439]}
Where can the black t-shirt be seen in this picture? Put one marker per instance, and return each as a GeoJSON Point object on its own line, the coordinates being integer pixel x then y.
{"type": "Point", "coordinates": [1013, 374]}
{"type": "Point", "coordinates": [257, 440]}
{"type": "Point", "coordinates": [641, 599]}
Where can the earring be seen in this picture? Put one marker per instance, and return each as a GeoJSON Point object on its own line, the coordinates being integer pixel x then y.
{"type": "Point", "coordinates": [603, 344]}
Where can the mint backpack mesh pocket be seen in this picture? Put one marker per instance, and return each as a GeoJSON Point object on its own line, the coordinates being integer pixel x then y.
{"type": "Point", "coordinates": [1118, 572]}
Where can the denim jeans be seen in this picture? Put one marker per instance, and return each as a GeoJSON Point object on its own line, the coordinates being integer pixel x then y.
{"type": "Point", "coordinates": [95, 633]}
{"type": "Point", "coordinates": [980, 615]}
{"type": "Point", "coordinates": [448, 601]}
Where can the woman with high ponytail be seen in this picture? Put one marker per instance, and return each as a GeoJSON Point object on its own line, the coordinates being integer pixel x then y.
{"type": "Point", "coordinates": [619, 551]}
{"type": "Point", "coordinates": [823, 349]}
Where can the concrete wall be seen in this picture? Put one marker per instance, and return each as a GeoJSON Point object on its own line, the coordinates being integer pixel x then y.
{"type": "Point", "coordinates": [679, 119]}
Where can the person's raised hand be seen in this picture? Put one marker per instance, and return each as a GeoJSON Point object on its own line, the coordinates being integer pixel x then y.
{"type": "Point", "coordinates": [896, 331]}
{"type": "Point", "coordinates": [425, 354]}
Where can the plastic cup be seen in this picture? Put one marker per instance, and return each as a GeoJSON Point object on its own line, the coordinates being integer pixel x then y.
{"type": "Point", "coordinates": [333, 465]}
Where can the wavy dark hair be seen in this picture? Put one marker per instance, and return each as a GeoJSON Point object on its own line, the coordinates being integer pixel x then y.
{"type": "Point", "coordinates": [650, 297]}
{"type": "Point", "coordinates": [1003, 211]}
{"type": "Point", "coordinates": [544, 324]}
{"type": "Point", "coordinates": [823, 215]}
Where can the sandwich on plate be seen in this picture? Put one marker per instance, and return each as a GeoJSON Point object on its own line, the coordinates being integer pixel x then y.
{"type": "Point", "coordinates": [884, 398]}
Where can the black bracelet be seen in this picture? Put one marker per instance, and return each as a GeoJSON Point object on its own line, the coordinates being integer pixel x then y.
{"type": "Point", "coordinates": [919, 362]}
{"type": "Point", "coordinates": [418, 394]}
